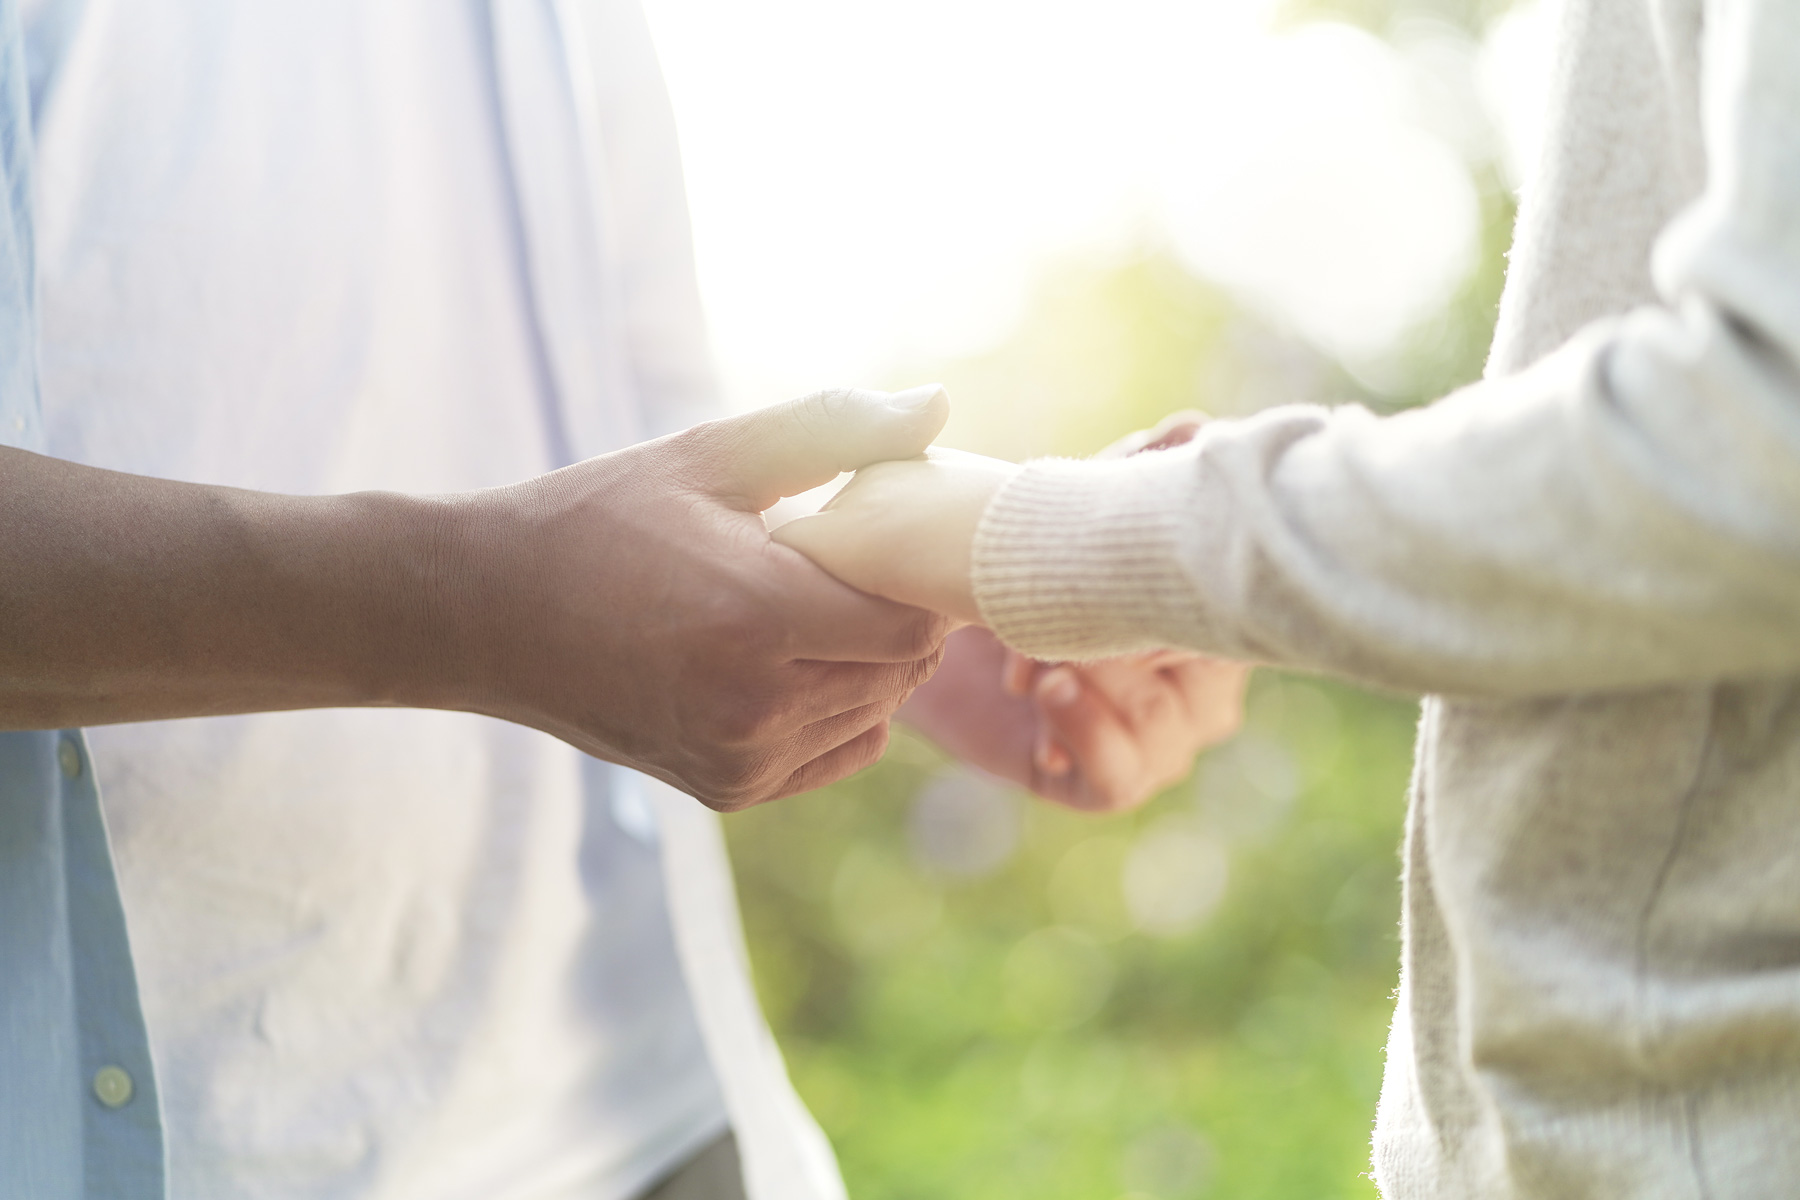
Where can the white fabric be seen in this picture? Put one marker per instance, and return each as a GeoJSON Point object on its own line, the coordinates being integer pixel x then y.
{"type": "Point", "coordinates": [785, 1154]}
{"type": "Point", "coordinates": [414, 245]}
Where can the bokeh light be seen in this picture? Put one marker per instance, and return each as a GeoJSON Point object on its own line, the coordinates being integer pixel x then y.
{"type": "Point", "coordinates": [964, 824]}
{"type": "Point", "coordinates": [1174, 876]}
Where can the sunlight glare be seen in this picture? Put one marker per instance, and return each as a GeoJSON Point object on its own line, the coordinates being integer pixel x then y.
{"type": "Point", "coordinates": [877, 183]}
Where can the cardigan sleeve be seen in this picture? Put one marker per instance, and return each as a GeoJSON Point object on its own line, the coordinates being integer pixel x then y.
{"type": "Point", "coordinates": [1624, 513]}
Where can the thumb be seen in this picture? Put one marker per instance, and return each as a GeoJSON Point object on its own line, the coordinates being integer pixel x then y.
{"type": "Point", "coordinates": [788, 448]}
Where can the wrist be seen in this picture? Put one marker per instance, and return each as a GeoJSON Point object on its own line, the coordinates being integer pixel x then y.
{"type": "Point", "coordinates": [1080, 559]}
{"type": "Point", "coordinates": [424, 632]}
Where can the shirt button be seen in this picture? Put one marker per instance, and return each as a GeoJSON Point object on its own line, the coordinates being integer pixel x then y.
{"type": "Point", "coordinates": [112, 1086]}
{"type": "Point", "coordinates": [69, 758]}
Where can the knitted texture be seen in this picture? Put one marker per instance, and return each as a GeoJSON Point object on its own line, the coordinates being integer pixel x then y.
{"type": "Point", "coordinates": [1116, 521]}
{"type": "Point", "coordinates": [1590, 562]}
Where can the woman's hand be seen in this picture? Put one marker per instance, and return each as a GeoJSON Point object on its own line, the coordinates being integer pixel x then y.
{"type": "Point", "coordinates": [905, 530]}
{"type": "Point", "coordinates": [1097, 737]}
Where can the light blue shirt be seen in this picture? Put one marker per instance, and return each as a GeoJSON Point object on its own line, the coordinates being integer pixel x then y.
{"type": "Point", "coordinates": [79, 1116]}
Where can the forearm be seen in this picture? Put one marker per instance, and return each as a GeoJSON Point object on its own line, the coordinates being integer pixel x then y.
{"type": "Point", "coordinates": [126, 598]}
{"type": "Point", "coordinates": [1620, 516]}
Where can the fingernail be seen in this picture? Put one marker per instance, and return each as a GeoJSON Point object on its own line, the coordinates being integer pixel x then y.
{"type": "Point", "coordinates": [1060, 689]}
{"type": "Point", "coordinates": [915, 399]}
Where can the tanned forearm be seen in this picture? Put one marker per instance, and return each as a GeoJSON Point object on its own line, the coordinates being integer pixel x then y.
{"type": "Point", "coordinates": [125, 598]}
{"type": "Point", "coordinates": [631, 604]}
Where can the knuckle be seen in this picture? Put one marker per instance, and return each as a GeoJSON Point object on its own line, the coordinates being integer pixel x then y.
{"type": "Point", "coordinates": [915, 673]}
{"type": "Point", "coordinates": [715, 790]}
{"type": "Point", "coordinates": [871, 746]}
{"type": "Point", "coordinates": [885, 687]}
{"type": "Point", "coordinates": [923, 636]}
{"type": "Point", "coordinates": [741, 782]}
{"type": "Point", "coordinates": [729, 800]}
{"type": "Point", "coordinates": [859, 753]}
{"type": "Point", "coordinates": [719, 799]}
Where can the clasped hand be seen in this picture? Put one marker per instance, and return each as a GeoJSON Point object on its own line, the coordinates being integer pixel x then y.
{"type": "Point", "coordinates": [649, 619]}
{"type": "Point", "coordinates": [1099, 736]}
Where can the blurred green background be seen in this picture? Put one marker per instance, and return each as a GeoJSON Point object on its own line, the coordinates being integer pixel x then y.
{"type": "Point", "coordinates": [983, 996]}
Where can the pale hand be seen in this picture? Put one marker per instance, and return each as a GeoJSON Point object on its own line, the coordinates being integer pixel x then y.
{"type": "Point", "coordinates": [1097, 737]}
{"type": "Point", "coordinates": [905, 530]}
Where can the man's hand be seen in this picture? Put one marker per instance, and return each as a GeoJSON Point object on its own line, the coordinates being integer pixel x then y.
{"type": "Point", "coordinates": [632, 605]}
{"type": "Point", "coordinates": [1099, 737]}
{"type": "Point", "coordinates": [635, 606]}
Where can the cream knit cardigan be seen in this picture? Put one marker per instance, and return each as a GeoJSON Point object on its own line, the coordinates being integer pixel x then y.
{"type": "Point", "coordinates": [1591, 561]}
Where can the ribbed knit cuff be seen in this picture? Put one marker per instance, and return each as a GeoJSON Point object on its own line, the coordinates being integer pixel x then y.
{"type": "Point", "coordinates": [1080, 560]}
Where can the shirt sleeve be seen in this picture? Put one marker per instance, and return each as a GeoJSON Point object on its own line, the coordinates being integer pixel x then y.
{"type": "Point", "coordinates": [1624, 513]}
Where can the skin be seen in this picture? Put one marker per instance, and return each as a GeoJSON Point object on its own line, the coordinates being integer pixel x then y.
{"type": "Point", "coordinates": [632, 605]}
{"type": "Point", "coordinates": [1098, 737]}
{"type": "Point", "coordinates": [906, 529]}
